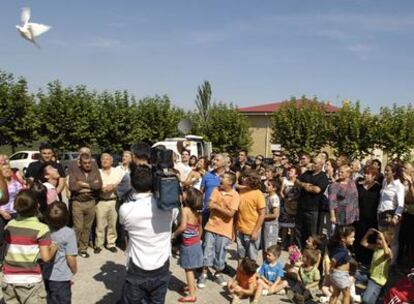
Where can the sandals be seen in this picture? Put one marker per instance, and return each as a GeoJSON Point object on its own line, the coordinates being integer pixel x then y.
{"type": "Point", "coordinates": [187, 300]}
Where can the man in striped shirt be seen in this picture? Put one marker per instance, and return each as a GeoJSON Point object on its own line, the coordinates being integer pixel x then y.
{"type": "Point", "coordinates": [27, 240]}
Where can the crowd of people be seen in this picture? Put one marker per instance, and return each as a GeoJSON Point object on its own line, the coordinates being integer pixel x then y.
{"type": "Point", "coordinates": [346, 226]}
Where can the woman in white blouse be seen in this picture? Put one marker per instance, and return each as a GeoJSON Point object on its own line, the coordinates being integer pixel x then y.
{"type": "Point", "coordinates": [391, 204]}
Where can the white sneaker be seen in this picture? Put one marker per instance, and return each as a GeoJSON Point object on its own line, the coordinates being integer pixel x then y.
{"type": "Point", "coordinates": [323, 299]}
{"type": "Point", "coordinates": [356, 298]}
{"type": "Point", "coordinates": [202, 280]}
{"type": "Point", "coordinates": [236, 300]}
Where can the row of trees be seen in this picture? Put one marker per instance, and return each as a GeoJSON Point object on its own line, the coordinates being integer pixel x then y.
{"type": "Point", "coordinates": [307, 127]}
{"type": "Point", "coordinates": [70, 117]}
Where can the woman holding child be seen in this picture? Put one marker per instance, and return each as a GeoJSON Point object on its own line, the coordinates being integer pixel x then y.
{"type": "Point", "coordinates": [368, 197]}
{"type": "Point", "coordinates": [391, 204]}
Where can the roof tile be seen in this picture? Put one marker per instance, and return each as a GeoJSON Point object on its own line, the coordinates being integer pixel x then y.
{"type": "Point", "coordinates": [273, 107]}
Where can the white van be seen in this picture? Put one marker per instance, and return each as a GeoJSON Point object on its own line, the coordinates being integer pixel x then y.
{"type": "Point", "coordinates": [193, 143]}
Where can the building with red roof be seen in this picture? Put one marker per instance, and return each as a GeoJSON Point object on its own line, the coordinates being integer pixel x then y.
{"type": "Point", "coordinates": [260, 123]}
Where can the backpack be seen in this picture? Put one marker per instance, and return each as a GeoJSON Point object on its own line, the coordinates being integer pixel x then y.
{"type": "Point", "coordinates": [167, 189]}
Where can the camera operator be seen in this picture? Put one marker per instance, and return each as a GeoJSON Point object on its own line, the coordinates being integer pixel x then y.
{"type": "Point", "coordinates": [149, 248]}
{"type": "Point", "coordinates": [141, 155]}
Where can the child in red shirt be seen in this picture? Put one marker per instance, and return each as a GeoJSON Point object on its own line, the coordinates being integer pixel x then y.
{"type": "Point", "coordinates": [402, 292]}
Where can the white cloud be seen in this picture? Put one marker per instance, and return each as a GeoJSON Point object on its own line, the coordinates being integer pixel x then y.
{"type": "Point", "coordinates": [335, 34]}
{"type": "Point", "coordinates": [103, 43]}
{"type": "Point", "coordinates": [360, 48]}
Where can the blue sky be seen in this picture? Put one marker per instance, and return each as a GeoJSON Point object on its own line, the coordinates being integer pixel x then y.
{"type": "Point", "coordinates": [252, 52]}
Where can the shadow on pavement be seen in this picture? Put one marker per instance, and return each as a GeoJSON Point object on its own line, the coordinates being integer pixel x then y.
{"type": "Point", "coordinates": [226, 295]}
{"type": "Point", "coordinates": [112, 275]}
{"type": "Point", "coordinates": [176, 285]}
{"type": "Point", "coordinates": [233, 254]}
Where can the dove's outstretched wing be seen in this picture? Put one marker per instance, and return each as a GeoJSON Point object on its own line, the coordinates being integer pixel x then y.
{"type": "Point", "coordinates": [38, 29]}
{"type": "Point", "coordinates": [25, 16]}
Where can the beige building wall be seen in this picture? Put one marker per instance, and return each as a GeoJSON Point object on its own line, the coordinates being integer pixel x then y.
{"type": "Point", "coordinates": [262, 138]}
{"type": "Point", "coordinates": [261, 133]}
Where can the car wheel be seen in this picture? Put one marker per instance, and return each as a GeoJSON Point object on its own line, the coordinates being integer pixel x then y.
{"type": "Point", "coordinates": [24, 171]}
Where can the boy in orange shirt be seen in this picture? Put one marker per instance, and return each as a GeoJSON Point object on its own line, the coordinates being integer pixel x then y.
{"type": "Point", "coordinates": [223, 204]}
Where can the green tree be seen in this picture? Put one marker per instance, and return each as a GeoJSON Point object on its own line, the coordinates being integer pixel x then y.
{"type": "Point", "coordinates": [395, 130]}
{"type": "Point", "coordinates": [301, 126]}
{"type": "Point", "coordinates": [222, 124]}
{"type": "Point", "coordinates": [203, 103]}
{"type": "Point", "coordinates": [354, 130]}
{"type": "Point", "coordinates": [229, 131]}
{"type": "Point", "coordinates": [156, 119]}
{"type": "Point", "coordinates": [17, 107]}
{"type": "Point", "coordinates": [69, 116]}
{"type": "Point", "coordinates": [118, 121]}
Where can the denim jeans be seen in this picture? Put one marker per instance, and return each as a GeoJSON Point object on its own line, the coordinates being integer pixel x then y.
{"type": "Point", "coordinates": [215, 250]}
{"type": "Point", "coordinates": [371, 293]}
{"type": "Point", "coordinates": [149, 287]}
{"type": "Point", "coordinates": [246, 247]}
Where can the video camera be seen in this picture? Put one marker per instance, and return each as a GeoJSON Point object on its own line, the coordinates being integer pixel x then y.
{"type": "Point", "coordinates": [166, 185]}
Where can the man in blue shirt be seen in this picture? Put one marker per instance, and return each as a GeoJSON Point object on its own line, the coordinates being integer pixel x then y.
{"type": "Point", "coordinates": [210, 181]}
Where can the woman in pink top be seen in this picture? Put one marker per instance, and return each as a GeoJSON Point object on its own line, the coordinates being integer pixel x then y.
{"type": "Point", "coordinates": [50, 179]}
{"type": "Point", "coordinates": [7, 211]}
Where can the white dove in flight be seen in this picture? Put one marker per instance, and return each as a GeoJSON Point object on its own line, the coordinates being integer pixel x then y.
{"type": "Point", "coordinates": [29, 30]}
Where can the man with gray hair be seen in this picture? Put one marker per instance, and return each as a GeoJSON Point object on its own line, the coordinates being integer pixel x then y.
{"type": "Point", "coordinates": [84, 184]}
{"type": "Point", "coordinates": [106, 215]}
{"type": "Point", "coordinates": [74, 164]}
{"type": "Point", "coordinates": [313, 184]}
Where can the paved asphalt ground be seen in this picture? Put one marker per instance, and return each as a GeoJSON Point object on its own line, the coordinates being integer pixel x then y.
{"type": "Point", "coordinates": [101, 277]}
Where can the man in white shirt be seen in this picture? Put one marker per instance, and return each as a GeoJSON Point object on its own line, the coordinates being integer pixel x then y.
{"type": "Point", "coordinates": [106, 215]}
{"type": "Point", "coordinates": [149, 245]}
{"type": "Point", "coordinates": [183, 166]}
{"type": "Point", "coordinates": [124, 185]}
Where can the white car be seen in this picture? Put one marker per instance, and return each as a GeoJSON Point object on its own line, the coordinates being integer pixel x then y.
{"type": "Point", "coordinates": [21, 160]}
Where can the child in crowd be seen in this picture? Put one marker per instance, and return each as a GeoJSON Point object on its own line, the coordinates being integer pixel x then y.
{"type": "Point", "coordinates": [245, 283]}
{"type": "Point", "coordinates": [270, 274]}
{"type": "Point", "coordinates": [58, 273]}
{"type": "Point", "coordinates": [380, 263]}
{"type": "Point", "coordinates": [341, 261]}
{"type": "Point", "coordinates": [191, 253]}
{"type": "Point", "coordinates": [295, 261]}
{"type": "Point", "coordinates": [402, 291]}
{"type": "Point", "coordinates": [271, 224]}
{"type": "Point", "coordinates": [223, 204]}
{"type": "Point", "coordinates": [27, 240]}
{"type": "Point", "coordinates": [314, 242]}
{"type": "Point", "coordinates": [325, 269]}
{"type": "Point", "coordinates": [309, 276]}
{"type": "Point", "coordinates": [290, 194]}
